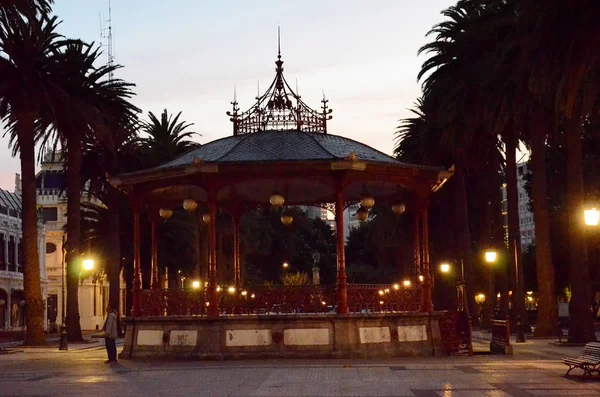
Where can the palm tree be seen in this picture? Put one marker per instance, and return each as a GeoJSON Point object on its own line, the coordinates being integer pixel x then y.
{"type": "Point", "coordinates": [450, 81]}
{"type": "Point", "coordinates": [564, 73]}
{"type": "Point", "coordinates": [98, 105]}
{"type": "Point", "coordinates": [28, 88]}
{"type": "Point", "coordinates": [166, 138]}
{"type": "Point", "coordinates": [101, 158]}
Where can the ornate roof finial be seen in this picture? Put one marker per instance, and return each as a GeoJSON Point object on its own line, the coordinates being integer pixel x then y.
{"type": "Point", "coordinates": [279, 42]}
{"type": "Point", "coordinates": [279, 108]}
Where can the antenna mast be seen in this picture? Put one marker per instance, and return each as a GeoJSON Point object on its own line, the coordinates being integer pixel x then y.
{"type": "Point", "coordinates": [107, 34]}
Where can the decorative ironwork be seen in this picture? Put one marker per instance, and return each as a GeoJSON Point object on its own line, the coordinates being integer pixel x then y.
{"type": "Point", "coordinates": [286, 300]}
{"type": "Point", "coordinates": [367, 299]}
{"type": "Point", "coordinates": [172, 302]}
{"type": "Point", "coordinates": [279, 108]}
{"type": "Point", "coordinates": [305, 299]}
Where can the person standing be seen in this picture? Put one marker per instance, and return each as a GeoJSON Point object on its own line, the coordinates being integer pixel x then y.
{"type": "Point", "coordinates": [110, 334]}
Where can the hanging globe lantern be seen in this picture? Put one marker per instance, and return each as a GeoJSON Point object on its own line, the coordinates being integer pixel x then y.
{"type": "Point", "coordinates": [276, 200]}
{"type": "Point", "coordinates": [287, 219]}
{"type": "Point", "coordinates": [398, 208]}
{"type": "Point", "coordinates": [165, 213]}
{"type": "Point", "coordinates": [367, 202]}
{"type": "Point", "coordinates": [206, 218]}
{"type": "Point", "coordinates": [362, 214]}
{"type": "Point", "coordinates": [189, 205]}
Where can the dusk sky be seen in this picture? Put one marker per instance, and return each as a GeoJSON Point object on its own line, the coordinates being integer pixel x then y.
{"type": "Point", "coordinates": [187, 55]}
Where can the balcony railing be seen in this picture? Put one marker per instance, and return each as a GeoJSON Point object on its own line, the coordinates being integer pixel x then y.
{"type": "Point", "coordinates": [287, 300]}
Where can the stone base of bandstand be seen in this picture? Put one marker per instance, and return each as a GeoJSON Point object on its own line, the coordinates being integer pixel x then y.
{"type": "Point", "coordinates": [283, 336]}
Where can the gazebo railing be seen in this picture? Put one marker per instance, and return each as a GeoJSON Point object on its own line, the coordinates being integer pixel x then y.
{"type": "Point", "coordinates": [372, 298]}
{"type": "Point", "coordinates": [285, 300]}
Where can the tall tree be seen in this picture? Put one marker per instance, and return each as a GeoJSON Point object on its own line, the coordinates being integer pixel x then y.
{"type": "Point", "coordinates": [564, 72]}
{"type": "Point", "coordinates": [165, 139]}
{"type": "Point", "coordinates": [97, 106]}
{"type": "Point", "coordinates": [27, 88]}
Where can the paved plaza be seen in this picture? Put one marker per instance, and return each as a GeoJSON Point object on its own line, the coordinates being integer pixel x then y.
{"type": "Point", "coordinates": [534, 370]}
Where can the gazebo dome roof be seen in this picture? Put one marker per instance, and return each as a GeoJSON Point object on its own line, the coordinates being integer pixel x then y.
{"type": "Point", "coordinates": [281, 146]}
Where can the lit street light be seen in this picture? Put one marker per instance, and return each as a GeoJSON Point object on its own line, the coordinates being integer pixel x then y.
{"type": "Point", "coordinates": [591, 217]}
{"type": "Point", "coordinates": [196, 284]}
{"type": "Point", "coordinates": [490, 256]}
{"type": "Point", "coordinates": [88, 264]}
{"type": "Point", "coordinates": [445, 268]}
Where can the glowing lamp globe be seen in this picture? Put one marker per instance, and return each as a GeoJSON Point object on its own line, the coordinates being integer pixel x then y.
{"type": "Point", "coordinates": [190, 205]}
{"type": "Point", "coordinates": [276, 200]}
{"type": "Point", "coordinates": [591, 217]}
{"type": "Point", "coordinates": [287, 219]}
{"type": "Point", "coordinates": [406, 283]}
{"type": "Point", "coordinates": [362, 214]}
{"type": "Point", "coordinates": [367, 202]}
{"type": "Point", "coordinates": [165, 213]}
{"type": "Point", "coordinates": [88, 264]}
{"type": "Point", "coordinates": [206, 218]}
{"type": "Point", "coordinates": [444, 268]}
{"type": "Point", "coordinates": [398, 208]}
{"type": "Point", "coordinates": [490, 256]}
{"type": "Point", "coordinates": [196, 284]}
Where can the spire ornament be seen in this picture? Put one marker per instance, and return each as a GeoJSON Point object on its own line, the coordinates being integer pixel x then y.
{"type": "Point", "coordinates": [279, 108]}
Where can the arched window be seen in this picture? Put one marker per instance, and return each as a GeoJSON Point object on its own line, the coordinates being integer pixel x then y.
{"type": "Point", "coordinates": [50, 248]}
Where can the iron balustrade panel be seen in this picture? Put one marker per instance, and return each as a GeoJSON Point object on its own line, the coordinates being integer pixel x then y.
{"type": "Point", "coordinates": [279, 300]}
{"type": "Point", "coordinates": [284, 300]}
{"type": "Point", "coordinates": [370, 298]}
{"type": "Point", "coordinates": [173, 302]}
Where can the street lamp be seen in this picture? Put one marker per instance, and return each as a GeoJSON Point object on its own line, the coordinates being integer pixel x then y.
{"type": "Point", "coordinates": [591, 216]}
{"type": "Point", "coordinates": [88, 264]}
{"type": "Point", "coordinates": [285, 265]}
{"type": "Point", "coordinates": [196, 284]}
{"type": "Point", "coordinates": [490, 256]}
{"type": "Point", "coordinates": [445, 268]}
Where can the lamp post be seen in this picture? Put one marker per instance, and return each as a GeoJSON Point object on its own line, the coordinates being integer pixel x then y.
{"type": "Point", "coordinates": [87, 265]}
{"type": "Point", "coordinates": [63, 329]}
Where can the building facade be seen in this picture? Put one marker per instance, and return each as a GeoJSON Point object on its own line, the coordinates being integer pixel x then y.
{"type": "Point", "coordinates": [93, 287]}
{"type": "Point", "coordinates": [526, 222]}
{"type": "Point", "coordinates": [12, 296]}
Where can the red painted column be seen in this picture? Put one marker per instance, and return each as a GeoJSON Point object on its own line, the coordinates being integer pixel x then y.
{"type": "Point", "coordinates": [154, 260]}
{"type": "Point", "coordinates": [342, 285]}
{"type": "Point", "coordinates": [427, 303]}
{"type": "Point", "coordinates": [137, 273]}
{"type": "Point", "coordinates": [417, 242]}
{"type": "Point", "coordinates": [213, 299]}
{"type": "Point", "coordinates": [237, 276]}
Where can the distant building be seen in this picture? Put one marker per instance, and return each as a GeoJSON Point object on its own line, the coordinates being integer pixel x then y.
{"type": "Point", "coordinates": [12, 297]}
{"type": "Point", "coordinates": [526, 222]}
{"type": "Point", "coordinates": [52, 203]}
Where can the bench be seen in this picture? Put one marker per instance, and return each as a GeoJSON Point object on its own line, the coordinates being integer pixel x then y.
{"type": "Point", "coordinates": [589, 361]}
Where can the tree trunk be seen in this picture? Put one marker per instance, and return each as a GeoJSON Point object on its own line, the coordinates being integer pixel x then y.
{"type": "Point", "coordinates": [74, 264]}
{"type": "Point", "coordinates": [31, 273]}
{"type": "Point", "coordinates": [546, 312]}
{"type": "Point", "coordinates": [114, 262]}
{"type": "Point", "coordinates": [515, 269]}
{"type": "Point", "coordinates": [463, 232]}
{"type": "Point", "coordinates": [581, 328]}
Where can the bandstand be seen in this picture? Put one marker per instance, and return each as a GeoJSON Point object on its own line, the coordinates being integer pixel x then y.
{"type": "Point", "coordinates": [279, 155]}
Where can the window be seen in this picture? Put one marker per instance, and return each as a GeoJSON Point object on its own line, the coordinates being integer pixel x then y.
{"type": "Point", "coordinates": [50, 248]}
{"type": "Point", "coordinates": [50, 214]}
{"type": "Point", "coordinates": [11, 250]}
{"type": "Point", "coordinates": [20, 253]}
